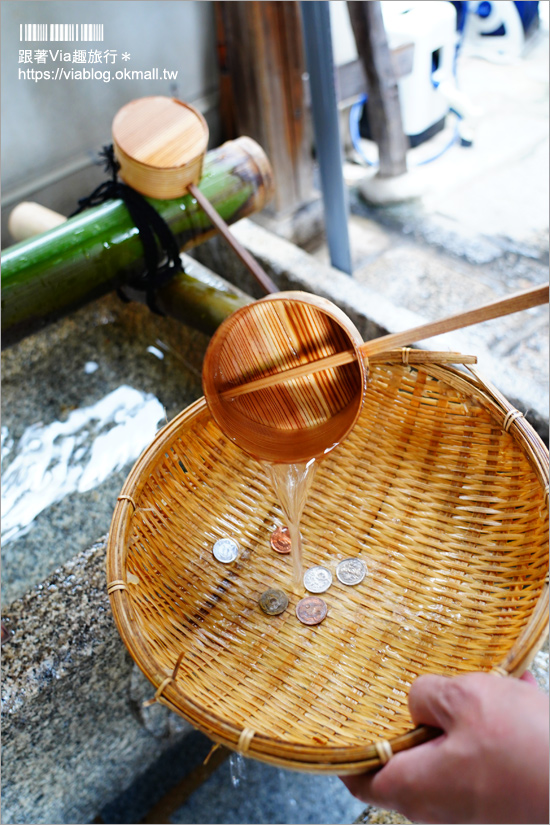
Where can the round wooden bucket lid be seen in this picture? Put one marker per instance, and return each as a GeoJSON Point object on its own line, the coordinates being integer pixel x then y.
{"type": "Point", "coordinates": [160, 143]}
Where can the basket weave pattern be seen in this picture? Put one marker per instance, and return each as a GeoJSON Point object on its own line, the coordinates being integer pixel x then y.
{"type": "Point", "coordinates": [450, 514]}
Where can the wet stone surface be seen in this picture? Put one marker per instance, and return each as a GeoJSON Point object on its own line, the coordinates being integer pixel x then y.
{"type": "Point", "coordinates": [80, 401]}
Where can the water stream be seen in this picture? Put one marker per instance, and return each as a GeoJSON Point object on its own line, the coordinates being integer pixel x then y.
{"type": "Point", "coordinates": [292, 483]}
{"type": "Point", "coordinates": [52, 461]}
{"type": "Point", "coordinates": [237, 769]}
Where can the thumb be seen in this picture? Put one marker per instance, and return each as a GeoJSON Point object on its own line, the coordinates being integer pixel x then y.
{"type": "Point", "coordinates": [429, 701]}
{"type": "Point", "coordinates": [529, 678]}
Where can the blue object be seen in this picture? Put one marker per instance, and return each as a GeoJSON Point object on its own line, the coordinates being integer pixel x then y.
{"type": "Point", "coordinates": [461, 7]}
{"type": "Point", "coordinates": [528, 11]}
{"type": "Point", "coordinates": [529, 14]}
{"type": "Point", "coordinates": [484, 9]}
{"type": "Point", "coordinates": [324, 108]}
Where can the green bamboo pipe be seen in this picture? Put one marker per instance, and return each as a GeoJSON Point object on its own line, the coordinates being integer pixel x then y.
{"type": "Point", "coordinates": [99, 250]}
{"type": "Point", "coordinates": [198, 297]}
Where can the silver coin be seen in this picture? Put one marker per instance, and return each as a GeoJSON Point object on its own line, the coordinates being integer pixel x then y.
{"type": "Point", "coordinates": [226, 550]}
{"type": "Point", "coordinates": [351, 571]}
{"type": "Point", "coordinates": [317, 579]}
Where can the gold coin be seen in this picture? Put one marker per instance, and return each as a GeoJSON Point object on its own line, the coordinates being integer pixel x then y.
{"type": "Point", "coordinates": [280, 540]}
{"type": "Point", "coordinates": [311, 610]}
{"type": "Point", "coordinates": [273, 602]}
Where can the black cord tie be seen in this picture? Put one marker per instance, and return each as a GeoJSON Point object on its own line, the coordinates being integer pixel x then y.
{"type": "Point", "coordinates": [160, 248]}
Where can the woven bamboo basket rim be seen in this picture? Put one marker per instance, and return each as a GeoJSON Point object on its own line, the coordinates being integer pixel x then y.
{"type": "Point", "coordinates": [327, 755]}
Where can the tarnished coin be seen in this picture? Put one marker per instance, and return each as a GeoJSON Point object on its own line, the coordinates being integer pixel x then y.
{"type": "Point", "coordinates": [351, 571]}
{"type": "Point", "coordinates": [273, 602]}
{"type": "Point", "coordinates": [311, 610]}
{"type": "Point", "coordinates": [280, 540]}
{"type": "Point", "coordinates": [317, 579]}
{"type": "Point", "coordinates": [226, 550]}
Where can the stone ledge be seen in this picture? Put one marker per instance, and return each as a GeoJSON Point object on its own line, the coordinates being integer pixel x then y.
{"type": "Point", "coordinates": [74, 732]}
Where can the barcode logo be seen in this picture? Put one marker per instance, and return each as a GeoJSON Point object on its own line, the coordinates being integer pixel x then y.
{"type": "Point", "coordinates": [91, 31]}
{"type": "Point", "coordinates": [61, 32]}
{"type": "Point", "coordinates": [33, 31]}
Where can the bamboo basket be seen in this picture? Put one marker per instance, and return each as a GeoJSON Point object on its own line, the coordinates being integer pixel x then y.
{"type": "Point", "coordinates": [441, 488]}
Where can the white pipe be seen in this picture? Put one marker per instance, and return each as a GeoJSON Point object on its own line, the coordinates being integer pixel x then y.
{"type": "Point", "coordinates": [28, 219]}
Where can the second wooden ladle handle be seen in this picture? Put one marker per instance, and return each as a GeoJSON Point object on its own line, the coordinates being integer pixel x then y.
{"type": "Point", "coordinates": [251, 263]}
{"type": "Point", "coordinates": [496, 309]}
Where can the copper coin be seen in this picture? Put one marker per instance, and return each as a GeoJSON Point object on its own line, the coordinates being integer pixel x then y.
{"type": "Point", "coordinates": [311, 610]}
{"type": "Point", "coordinates": [273, 602]}
{"type": "Point", "coordinates": [280, 540]}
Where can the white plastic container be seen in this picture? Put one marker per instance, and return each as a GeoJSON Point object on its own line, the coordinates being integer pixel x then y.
{"type": "Point", "coordinates": [431, 27]}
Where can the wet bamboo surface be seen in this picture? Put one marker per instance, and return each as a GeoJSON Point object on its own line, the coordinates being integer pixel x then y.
{"type": "Point", "coordinates": [441, 488]}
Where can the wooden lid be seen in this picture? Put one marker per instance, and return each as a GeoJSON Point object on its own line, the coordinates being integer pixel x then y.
{"type": "Point", "coordinates": [160, 144]}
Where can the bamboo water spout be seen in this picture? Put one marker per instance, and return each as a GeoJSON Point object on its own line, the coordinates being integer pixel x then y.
{"type": "Point", "coordinates": [99, 250]}
{"type": "Point", "coordinates": [196, 296]}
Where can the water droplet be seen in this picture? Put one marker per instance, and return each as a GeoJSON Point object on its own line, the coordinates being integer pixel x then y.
{"type": "Point", "coordinates": [237, 769]}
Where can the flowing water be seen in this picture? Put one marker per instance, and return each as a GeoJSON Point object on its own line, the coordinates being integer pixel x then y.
{"type": "Point", "coordinates": [77, 455]}
{"type": "Point", "coordinates": [292, 483]}
{"type": "Point", "coordinates": [237, 769]}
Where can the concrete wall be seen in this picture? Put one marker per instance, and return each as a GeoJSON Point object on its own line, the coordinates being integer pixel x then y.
{"type": "Point", "coordinates": [52, 129]}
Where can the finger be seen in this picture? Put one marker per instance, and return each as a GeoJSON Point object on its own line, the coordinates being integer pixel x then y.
{"type": "Point", "coordinates": [428, 701]}
{"type": "Point", "coordinates": [403, 784]}
{"type": "Point", "coordinates": [529, 678]}
{"type": "Point", "coordinates": [406, 783]}
{"type": "Point", "coordinates": [359, 786]}
{"type": "Point", "coordinates": [367, 788]}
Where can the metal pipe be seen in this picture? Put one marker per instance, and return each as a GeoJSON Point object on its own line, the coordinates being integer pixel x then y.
{"type": "Point", "coordinates": [324, 105]}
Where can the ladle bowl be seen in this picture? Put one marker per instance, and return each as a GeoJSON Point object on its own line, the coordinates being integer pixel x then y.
{"type": "Point", "coordinates": [300, 419]}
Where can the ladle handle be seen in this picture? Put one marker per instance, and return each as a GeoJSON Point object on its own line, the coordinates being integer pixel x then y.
{"type": "Point", "coordinates": [496, 309]}
{"type": "Point", "coordinates": [251, 263]}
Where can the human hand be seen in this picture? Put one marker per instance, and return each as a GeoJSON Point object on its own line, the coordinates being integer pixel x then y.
{"type": "Point", "coordinates": [489, 765]}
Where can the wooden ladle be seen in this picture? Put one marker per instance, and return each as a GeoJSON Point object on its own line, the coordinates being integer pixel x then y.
{"type": "Point", "coordinates": [160, 143]}
{"type": "Point", "coordinates": [284, 377]}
